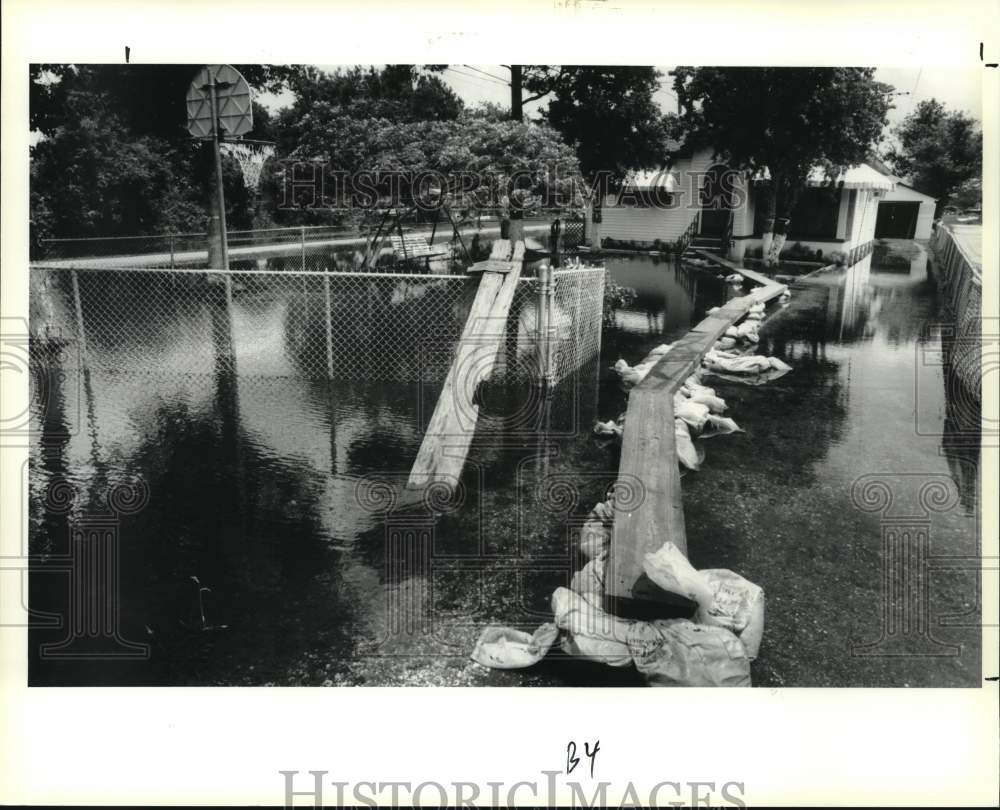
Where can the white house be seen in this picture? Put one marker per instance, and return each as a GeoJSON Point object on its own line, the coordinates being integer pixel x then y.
{"type": "Point", "coordinates": [699, 198]}
{"type": "Point", "coordinates": [905, 213]}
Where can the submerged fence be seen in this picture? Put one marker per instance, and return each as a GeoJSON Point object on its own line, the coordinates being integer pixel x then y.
{"type": "Point", "coordinates": [335, 325]}
{"type": "Point", "coordinates": [960, 284]}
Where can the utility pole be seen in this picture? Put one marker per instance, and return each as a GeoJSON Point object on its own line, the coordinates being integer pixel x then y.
{"type": "Point", "coordinates": [516, 105]}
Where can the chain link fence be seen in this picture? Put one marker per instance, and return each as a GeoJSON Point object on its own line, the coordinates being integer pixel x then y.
{"type": "Point", "coordinates": [273, 324]}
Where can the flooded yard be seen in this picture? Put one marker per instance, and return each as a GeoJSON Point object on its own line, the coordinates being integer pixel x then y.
{"type": "Point", "coordinates": [270, 550]}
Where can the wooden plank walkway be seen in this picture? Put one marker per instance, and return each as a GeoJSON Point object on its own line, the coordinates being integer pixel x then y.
{"type": "Point", "coordinates": [446, 441]}
{"type": "Point", "coordinates": [649, 456]}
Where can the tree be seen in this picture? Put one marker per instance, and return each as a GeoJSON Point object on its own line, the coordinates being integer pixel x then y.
{"type": "Point", "coordinates": [938, 150]}
{"type": "Point", "coordinates": [114, 156]}
{"type": "Point", "coordinates": [609, 116]}
{"type": "Point", "coordinates": [786, 120]}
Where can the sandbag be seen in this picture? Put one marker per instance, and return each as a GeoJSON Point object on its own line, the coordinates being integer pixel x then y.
{"type": "Point", "coordinates": [506, 648]}
{"type": "Point", "coordinates": [705, 396]}
{"type": "Point", "coordinates": [693, 413]}
{"type": "Point", "coordinates": [590, 632]}
{"type": "Point", "coordinates": [737, 605]}
{"type": "Point", "coordinates": [678, 652]}
{"type": "Point", "coordinates": [725, 342]}
{"type": "Point", "coordinates": [748, 331]}
{"type": "Point", "coordinates": [670, 570]}
{"type": "Point", "coordinates": [660, 350]}
{"type": "Point", "coordinates": [770, 375]}
{"type": "Point", "coordinates": [604, 512]}
{"type": "Point", "coordinates": [719, 426]}
{"type": "Point", "coordinates": [688, 454]}
{"type": "Point", "coordinates": [609, 428]}
{"type": "Point", "coordinates": [589, 581]}
{"type": "Point", "coordinates": [745, 364]}
{"type": "Point", "coordinates": [595, 538]}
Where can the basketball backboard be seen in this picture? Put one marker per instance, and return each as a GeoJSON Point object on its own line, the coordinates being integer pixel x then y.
{"type": "Point", "coordinates": [233, 101]}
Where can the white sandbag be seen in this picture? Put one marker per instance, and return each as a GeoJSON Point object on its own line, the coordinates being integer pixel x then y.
{"type": "Point", "coordinates": [604, 512]}
{"type": "Point", "coordinates": [757, 307]}
{"type": "Point", "coordinates": [748, 331]}
{"type": "Point", "coordinates": [693, 413]}
{"type": "Point", "coordinates": [705, 396]}
{"type": "Point", "coordinates": [779, 365]}
{"type": "Point", "coordinates": [506, 648]}
{"type": "Point", "coordinates": [678, 652]}
{"type": "Point", "coordinates": [670, 570]}
{"type": "Point", "coordinates": [770, 375]}
{"type": "Point", "coordinates": [688, 454]}
{"type": "Point", "coordinates": [589, 581]}
{"type": "Point", "coordinates": [737, 605]}
{"type": "Point", "coordinates": [595, 538]}
{"type": "Point", "coordinates": [590, 632]}
{"type": "Point", "coordinates": [746, 364]}
{"type": "Point", "coordinates": [731, 332]}
{"type": "Point", "coordinates": [734, 278]}
{"type": "Point", "coordinates": [609, 428]}
{"type": "Point", "coordinates": [755, 317]}
{"type": "Point", "coordinates": [711, 311]}
{"type": "Point", "coordinates": [719, 426]}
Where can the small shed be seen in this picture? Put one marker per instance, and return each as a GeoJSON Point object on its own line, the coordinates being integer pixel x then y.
{"type": "Point", "coordinates": [905, 213]}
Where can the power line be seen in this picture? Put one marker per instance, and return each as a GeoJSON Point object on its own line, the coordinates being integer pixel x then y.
{"type": "Point", "coordinates": [471, 78]}
{"type": "Point", "coordinates": [502, 81]}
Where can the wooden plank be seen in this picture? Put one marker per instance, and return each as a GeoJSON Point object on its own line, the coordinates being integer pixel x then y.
{"type": "Point", "coordinates": [648, 457]}
{"type": "Point", "coordinates": [449, 433]}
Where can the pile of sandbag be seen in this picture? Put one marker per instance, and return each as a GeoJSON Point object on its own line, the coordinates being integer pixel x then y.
{"type": "Point", "coordinates": [720, 361]}
{"type": "Point", "coordinates": [712, 648]}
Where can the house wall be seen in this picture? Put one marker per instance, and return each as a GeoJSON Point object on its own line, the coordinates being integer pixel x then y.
{"type": "Point", "coordinates": [644, 225]}
{"type": "Point", "coordinates": [925, 217]}
{"type": "Point", "coordinates": [855, 227]}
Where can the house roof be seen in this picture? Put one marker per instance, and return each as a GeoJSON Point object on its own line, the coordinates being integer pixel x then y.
{"type": "Point", "coordinates": [652, 178]}
{"type": "Point", "coordinates": [859, 177]}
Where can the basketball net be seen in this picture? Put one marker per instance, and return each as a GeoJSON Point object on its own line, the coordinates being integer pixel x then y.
{"type": "Point", "coordinates": [251, 157]}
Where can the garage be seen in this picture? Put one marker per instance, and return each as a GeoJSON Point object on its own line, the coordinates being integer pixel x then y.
{"type": "Point", "coordinates": [905, 213]}
{"type": "Point", "coordinates": [897, 220]}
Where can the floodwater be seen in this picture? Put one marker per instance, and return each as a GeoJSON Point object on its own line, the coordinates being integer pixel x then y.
{"type": "Point", "coordinates": [263, 540]}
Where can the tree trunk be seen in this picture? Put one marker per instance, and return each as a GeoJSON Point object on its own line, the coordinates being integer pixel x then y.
{"type": "Point", "coordinates": [516, 105]}
{"type": "Point", "coordinates": [779, 203]}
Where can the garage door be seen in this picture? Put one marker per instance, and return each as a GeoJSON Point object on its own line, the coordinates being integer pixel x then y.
{"type": "Point", "coordinates": [896, 220]}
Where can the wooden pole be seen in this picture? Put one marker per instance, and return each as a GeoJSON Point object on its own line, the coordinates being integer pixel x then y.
{"type": "Point", "coordinates": [220, 195]}
{"type": "Point", "coordinates": [516, 104]}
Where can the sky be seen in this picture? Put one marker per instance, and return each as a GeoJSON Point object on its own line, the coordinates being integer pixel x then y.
{"type": "Point", "coordinates": [957, 89]}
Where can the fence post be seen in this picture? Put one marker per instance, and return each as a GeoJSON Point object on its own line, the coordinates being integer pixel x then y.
{"type": "Point", "coordinates": [171, 251]}
{"type": "Point", "coordinates": [329, 325]}
{"type": "Point", "coordinates": [555, 248]}
{"type": "Point", "coordinates": [80, 333]}
{"type": "Point", "coordinates": [303, 238]}
{"type": "Point", "coordinates": [545, 296]}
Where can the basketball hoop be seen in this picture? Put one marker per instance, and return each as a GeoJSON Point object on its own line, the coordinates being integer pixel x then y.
{"type": "Point", "coordinates": [251, 155]}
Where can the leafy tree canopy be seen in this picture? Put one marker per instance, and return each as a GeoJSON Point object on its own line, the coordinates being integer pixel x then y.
{"type": "Point", "coordinates": [785, 119]}
{"type": "Point", "coordinates": [939, 150]}
{"type": "Point", "coordinates": [607, 114]}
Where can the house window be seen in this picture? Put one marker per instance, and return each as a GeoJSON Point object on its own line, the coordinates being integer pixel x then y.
{"type": "Point", "coordinates": [814, 216]}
